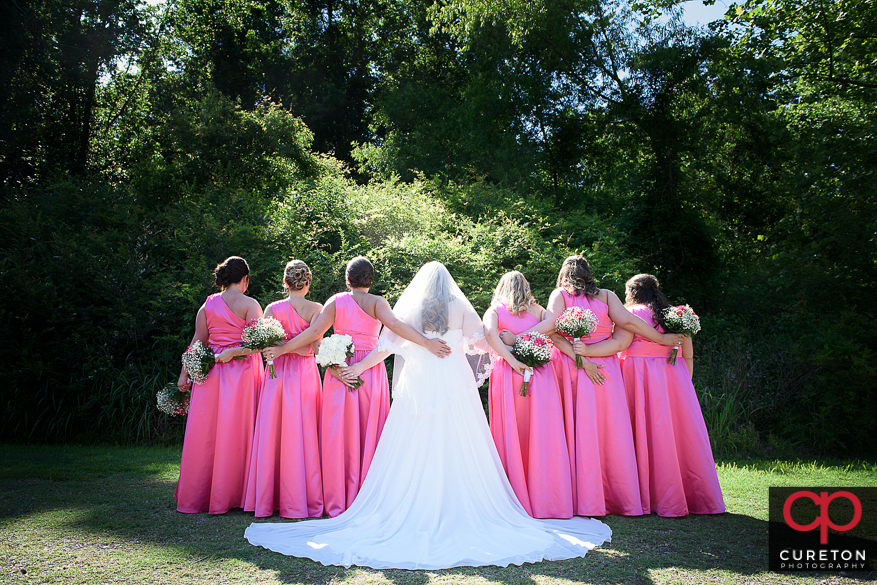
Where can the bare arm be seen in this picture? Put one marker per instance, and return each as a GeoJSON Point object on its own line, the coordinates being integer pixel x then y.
{"type": "Point", "coordinates": [688, 354]}
{"type": "Point", "coordinates": [620, 340]}
{"type": "Point", "coordinates": [624, 318]}
{"type": "Point", "coordinates": [350, 373]}
{"type": "Point", "coordinates": [202, 335]}
{"type": "Point", "coordinates": [491, 322]}
{"type": "Point", "coordinates": [385, 315]}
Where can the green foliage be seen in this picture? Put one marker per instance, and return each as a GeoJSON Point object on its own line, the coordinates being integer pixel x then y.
{"type": "Point", "coordinates": [142, 145]}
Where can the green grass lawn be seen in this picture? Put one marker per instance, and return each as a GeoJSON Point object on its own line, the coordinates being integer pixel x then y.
{"type": "Point", "coordinates": [107, 515]}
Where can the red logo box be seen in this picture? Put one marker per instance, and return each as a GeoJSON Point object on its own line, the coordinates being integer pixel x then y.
{"type": "Point", "coordinates": [824, 529]}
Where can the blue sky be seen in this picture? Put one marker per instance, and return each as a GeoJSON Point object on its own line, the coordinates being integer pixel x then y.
{"type": "Point", "coordinates": [696, 13]}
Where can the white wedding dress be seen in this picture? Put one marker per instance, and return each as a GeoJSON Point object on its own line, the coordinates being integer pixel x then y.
{"type": "Point", "coordinates": [436, 495]}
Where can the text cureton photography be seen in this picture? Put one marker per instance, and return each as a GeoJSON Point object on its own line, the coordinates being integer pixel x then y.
{"type": "Point", "coordinates": [823, 528]}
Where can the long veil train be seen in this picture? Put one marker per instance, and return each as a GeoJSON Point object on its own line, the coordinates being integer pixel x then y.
{"type": "Point", "coordinates": [436, 495]}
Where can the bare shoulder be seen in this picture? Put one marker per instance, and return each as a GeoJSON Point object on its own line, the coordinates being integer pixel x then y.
{"type": "Point", "coordinates": [311, 310]}
{"type": "Point", "coordinates": [536, 310]}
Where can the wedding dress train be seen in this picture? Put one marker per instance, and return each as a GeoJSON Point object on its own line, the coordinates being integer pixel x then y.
{"type": "Point", "coordinates": [436, 495]}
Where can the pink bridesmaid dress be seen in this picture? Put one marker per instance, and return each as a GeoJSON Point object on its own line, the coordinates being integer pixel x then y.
{"type": "Point", "coordinates": [597, 423]}
{"type": "Point", "coordinates": [351, 422]}
{"type": "Point", "coordinates": [528, 431]}
{"type": "Point", "coordinates": [219, 429]}
{"type": "Point", "coordinates": [677, 473]}
{"type": "Point", "coordinates": [284, 470]}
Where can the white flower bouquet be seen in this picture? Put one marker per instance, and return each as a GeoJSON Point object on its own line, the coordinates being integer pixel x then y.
{"type": "Point", "coordinates": [173, 401]}
{"type": "Point", "coordinates": [198, 361]}
{"type": "Point", "coordinates": [534, 350]}
{"type": "Point", "coordinates": [334, 351]}
{"type": "Point", "coordinates": [680, 319]}
{"type": "Point", "coordinates": [576, 322]}
{"type": "Point", "coordinates": [263, 333]}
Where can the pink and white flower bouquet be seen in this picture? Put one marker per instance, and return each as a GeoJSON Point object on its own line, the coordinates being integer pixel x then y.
{"type": "Point", "coordinates": [680, 319]}
{"type": "Point", "coordinates": [263, 333]}
{"type": "Point", "coordinates": [173, 401]}
{"type": "Point", "coordinates": [534, 350]}
{"type": "Point", "coordinates": [198, 361]}
{"type": "Point", "coordinates": [576, 322]}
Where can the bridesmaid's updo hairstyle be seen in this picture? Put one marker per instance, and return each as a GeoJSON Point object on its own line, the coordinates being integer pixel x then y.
{"type": "Point", "coordinates": [231, 271]}
{"type": "Point", "coordinates": [575, 277]}
{"type": "Point", "coordinates": [514, 291]}
{"type": "Point", "coordinates": [296, 275]}
{"type": "Point", "coordinates": [360, 273]}
{"type": "Point", "coordinates": [643, 289]}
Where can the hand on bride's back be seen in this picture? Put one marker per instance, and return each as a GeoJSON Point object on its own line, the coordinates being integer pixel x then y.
{"type": "Point", "coordinates": [438, 347]}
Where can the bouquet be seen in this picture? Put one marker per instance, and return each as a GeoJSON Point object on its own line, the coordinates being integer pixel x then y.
{"type": "Point", "coordinates": [334, 351]}
{"type": "Point", "coordinates": [262, 333]}
{"type": "Point", "coordinates": [577, 323]}
{"type": "Point", "coordinates": [681, 319]}
{"type": "Point", "coordinates": [198, 360]}
{"type": "Point", "coordinates": [173, 401]}
{"type": "Point", "coordinates": [534, 350]}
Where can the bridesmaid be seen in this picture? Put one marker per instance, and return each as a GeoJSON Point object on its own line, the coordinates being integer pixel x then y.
{"type": "Point", "coordinates": [527, 430]}
{"type": "Point", "coordinates": [351, 421]}
{"type": "Point", "coordinates": [222, 410]}
{"type": "Point", "coordinates": [596, 417]}
{"type": "Point", "coordinates": [677, 473]}
{"type": "Point", "coordinates": [284, 470]}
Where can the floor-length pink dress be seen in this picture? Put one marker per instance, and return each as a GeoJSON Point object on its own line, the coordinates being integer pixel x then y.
{"type": "Point", "coordinates": [597, 423]}
{"type": "Point", "coordinates": [528, 431]}
{"type": "Point", "coordinates": [284, 470]}
{"type": "Point", "coordinates": [351, 421]}
{"type": "Point", "coordinates": [677, 473]}
{"type": "Point", "coordinates": [219, 429]}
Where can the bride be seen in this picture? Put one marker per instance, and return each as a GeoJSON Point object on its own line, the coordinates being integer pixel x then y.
{"type": "Point", "coordinates": [436, 495]}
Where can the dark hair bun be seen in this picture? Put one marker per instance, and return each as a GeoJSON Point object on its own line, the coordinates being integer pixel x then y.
{"type": "Point", "coordinates": [231, 271]}
{"type": "Point", "coordinates": [360, 273]}
{"type": "Point", "coordinates": [296, 275]}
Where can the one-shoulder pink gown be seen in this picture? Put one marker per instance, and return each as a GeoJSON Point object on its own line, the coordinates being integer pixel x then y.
{"type": "Point", "coordinates": [285, 466]}
{"type": "Point", "coordinates": [677, 473]}
{"type": "Point", "coordinates": [597, 422]}
{"type": "Point", "coordinates": [351, 422]}
{"type": "Point", "coordinates": [528, 431]}
{"type": "Point", "coordinates": [219, 429]}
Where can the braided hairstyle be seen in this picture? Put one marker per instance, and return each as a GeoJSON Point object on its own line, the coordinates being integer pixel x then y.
{"type": "Point", "coordinates": [296, 275]}
{"type": "Point", "coordinates": [230, 271]}
{"type": "Point", "coordinates": [575, 277]}
{"type": "Point", "coordinates": [643, 289]}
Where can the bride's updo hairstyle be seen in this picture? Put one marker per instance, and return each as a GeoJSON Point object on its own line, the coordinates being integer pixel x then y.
{"type": "Point", "coordinates": [231, 271]}
{"type": "Point", "coordinates": [296, 275]}
{"type": "Point", "coordinates": [513, 290]}
{"type": "Point", "coordinates": [435, 307]}
{"type": "Point", "coordinates": [643, 289]}
{"type": "Point", "coordinates": [575, 277]}
{"type": "Point", "coordinates": [360, 273]}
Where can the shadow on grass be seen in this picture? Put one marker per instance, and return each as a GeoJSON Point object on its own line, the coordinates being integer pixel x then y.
{"type": "Point", "coordinates": [126, 496]}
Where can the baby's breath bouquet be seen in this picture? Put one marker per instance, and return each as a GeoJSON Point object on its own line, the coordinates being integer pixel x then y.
{"type": "Point", "coordinates": [263, 333]}
{"type": "Point", "coordinates": [534, 350]}
{"type": "Point", "coordinates": [576, 322]}
{"type": "Point", "coordinates": [198, 360]}
{"type": "Point", "coordinates": [173, 401]}
{"type": "Point", "coordinates": [680, 319]}
{"type": "Point", "coordinates": [334, 351]}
